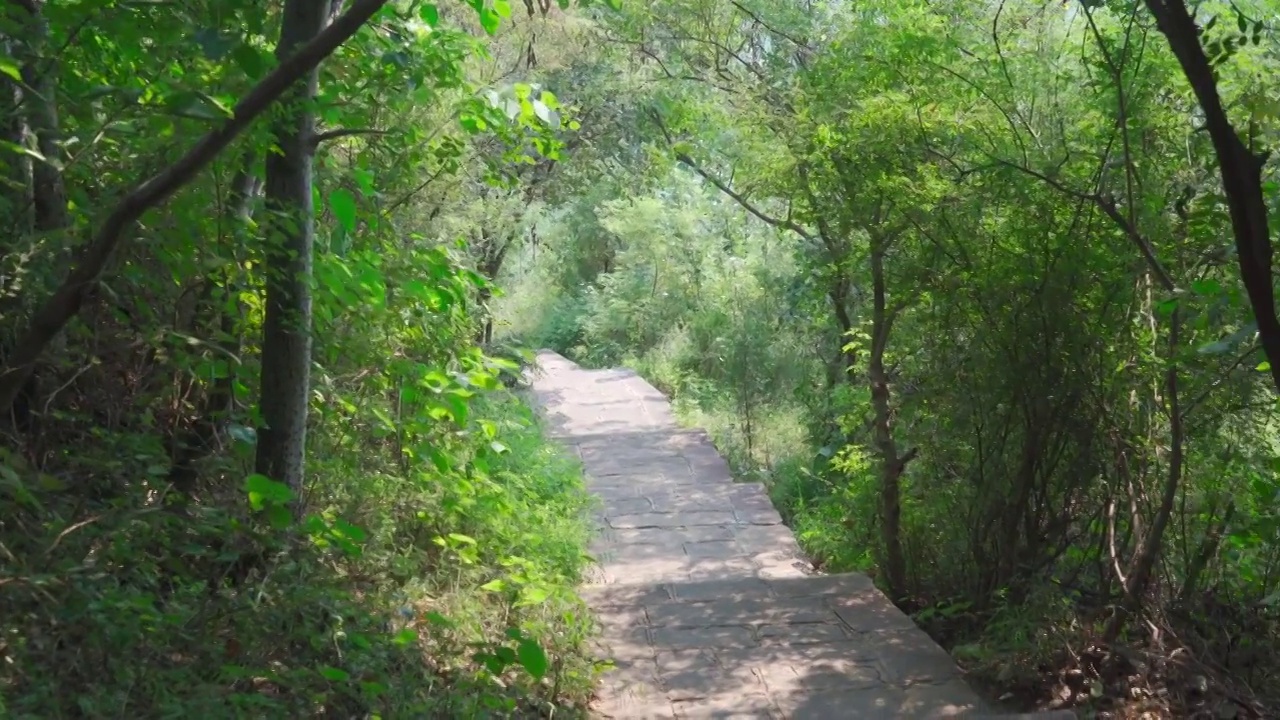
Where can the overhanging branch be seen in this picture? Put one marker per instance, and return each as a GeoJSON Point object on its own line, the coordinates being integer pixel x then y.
{"type": "Point", "coordinates": [689, 162]}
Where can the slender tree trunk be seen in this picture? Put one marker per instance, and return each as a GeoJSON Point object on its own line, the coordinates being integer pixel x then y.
{"type": "Point", "coordinates": [40, 73]}
{"type": "Point", "coordinates": [286, 341]}
{"type": "Point", "coordinates": [37, 113]}
{"type": "Point", "coordinates": [891, 463]}
{"type": "Point", "coordinates": [1144, 560]}
{"type": "Point", "coordinates": [16, 167]}
{"type": "Point", "coordinates": [1208, 548]}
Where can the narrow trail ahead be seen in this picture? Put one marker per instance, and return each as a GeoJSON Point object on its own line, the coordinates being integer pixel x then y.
{"type": "Point", "coordinates": [708, 606]}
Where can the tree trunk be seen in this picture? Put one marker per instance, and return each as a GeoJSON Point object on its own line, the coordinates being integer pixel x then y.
{"type": "Point", "coordinates": [1241, 170]}
{"type": "Point", "coordinates": [891, 463]}
{"type": "Point", "coordinates": [37, 114]}
{"type": "Point", "coordinates": [17, 168]}
{"type": "Point", "coordinates": [286, 331]}
{"type": "Point", "coordinates": [40, 74]}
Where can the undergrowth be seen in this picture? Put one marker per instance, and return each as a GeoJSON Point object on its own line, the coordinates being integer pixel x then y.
{"type": "Point", "coordinates": [409, 590]}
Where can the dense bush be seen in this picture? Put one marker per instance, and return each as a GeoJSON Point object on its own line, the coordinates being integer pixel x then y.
{"type": "Point", "coordinates": [129, 607]}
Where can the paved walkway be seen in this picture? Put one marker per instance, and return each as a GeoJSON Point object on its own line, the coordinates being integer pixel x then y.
{"type": "Point", "coordinates": [708, 607]}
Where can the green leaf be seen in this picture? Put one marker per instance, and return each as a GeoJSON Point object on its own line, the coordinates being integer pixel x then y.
{"type": "Point", "coordinates": [542, 111]}
{"type": "Point", "coordinates": [502, 8]}
{"type": "Point", "coordinates": [10, 68]}
{"type": "Point", "coordinates": [343, 205]}
{"type": "Point", "coordinates": [407, 636]}
{"type": "Point", "coordinates": [494, 586]}
{"type": "Point", "coordinates": [279, 517]}
{"type": "Point", "coordinates": [436, 618]}
{"type": "Point", "coordinates": [489, 20]}
{"type": "Point", "coordinates": [334, 674]}
{"type": "Point", "coordinates": [533, 596]}
{"type": "Point", "coordinates": [250, 61]}
{"type": "Point", "coordinates": [1206, 287]}
{"type": "Point", "coordinates": [533, 658]}
{"type": "Point", "coordinates": [1264, 366]}
{"type": "Point", "coordinates": [264, 491]}
{"type": "Point", "coordinates": [351, 532]}
{"type": "Point", "coordinates": [430, 15]}
{"type": "Point", "coordinates": [22, 150]}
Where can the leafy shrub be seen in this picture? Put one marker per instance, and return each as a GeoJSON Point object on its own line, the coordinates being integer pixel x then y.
{"type": "Point", "coordinates": [393, 598]}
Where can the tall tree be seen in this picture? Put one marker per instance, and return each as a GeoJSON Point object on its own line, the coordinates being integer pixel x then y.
{"type": "Point", "coordinates": [290, 241]}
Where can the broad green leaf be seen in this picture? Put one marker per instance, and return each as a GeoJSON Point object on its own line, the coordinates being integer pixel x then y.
{"type": "Point", "coordinates": [1207, 286]}
{"type": "Point", "coordinates": [264, 491]}
{"type": "Point", "coordinates": [542, 111]}
{"type": "Point", "coordinates": [436, 618]}
{"type": "Point", "coordinates": [533, 595]}
{"type": "Point", "coordinates": [22, 150]}
{"type": "Point", "coordinates": [533, 658]}
{"type": "Point", "coordinates": [489, 20]}
{"type": "Point", "coordinates": [279, 517]}
{"type": "Point", "coordinates": [343, 205]}
{"type": "Point", "coordinates": [250, 60]}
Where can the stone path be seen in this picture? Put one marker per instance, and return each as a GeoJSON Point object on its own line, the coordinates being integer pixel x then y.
{"type": "Point", "coordinates": [708, 606]}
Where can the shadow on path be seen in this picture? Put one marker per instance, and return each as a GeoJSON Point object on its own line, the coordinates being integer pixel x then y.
{"type": "Point", "coordinates": [708, 607]}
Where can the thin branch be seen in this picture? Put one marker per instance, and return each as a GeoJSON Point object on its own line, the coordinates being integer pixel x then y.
{"type": "Point", "coordinates": [1204, 394]}
{"type": "Point", "coordinates": [756, 17]}
{"type": "Point", "coordinates": [1108, 206]}
{"type": "Point", "coordinates": [746, 204]}
{"type": "Point", "coordinates": [344, 132]}
{"type": "Point", "coordinates": [410, 195]}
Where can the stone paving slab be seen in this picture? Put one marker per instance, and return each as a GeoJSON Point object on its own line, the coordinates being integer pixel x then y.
{"type": "Point", "coordinates": [707, 606]}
